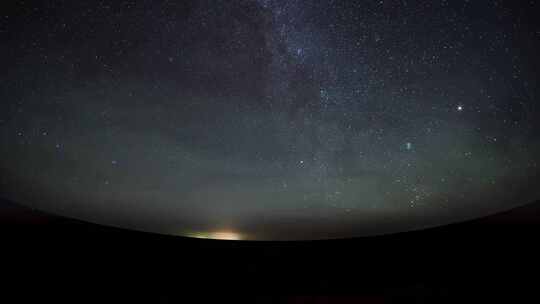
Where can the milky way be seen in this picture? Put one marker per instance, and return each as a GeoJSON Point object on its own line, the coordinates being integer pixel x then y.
{"type": "Point", "coordinates": [270, 119]}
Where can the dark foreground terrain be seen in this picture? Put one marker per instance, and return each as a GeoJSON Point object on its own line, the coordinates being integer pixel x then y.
{"type": "Point", "coordinates": [46, 258]}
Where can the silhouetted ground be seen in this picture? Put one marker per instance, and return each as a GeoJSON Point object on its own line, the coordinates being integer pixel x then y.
{"type": "Point", "coordinates": [50, 258]}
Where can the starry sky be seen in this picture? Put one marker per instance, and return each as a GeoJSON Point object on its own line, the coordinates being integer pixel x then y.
{"type": "Point", "coordinates": [270, 119]}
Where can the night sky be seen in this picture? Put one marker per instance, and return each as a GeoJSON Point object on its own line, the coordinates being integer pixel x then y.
{"type": "Point", "coordinates": [270, 119]}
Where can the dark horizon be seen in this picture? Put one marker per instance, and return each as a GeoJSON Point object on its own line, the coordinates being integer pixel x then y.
{"type": "Point", "coordinates": [483, 259]}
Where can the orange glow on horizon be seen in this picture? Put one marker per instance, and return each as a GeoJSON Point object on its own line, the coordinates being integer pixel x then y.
{"type": "Point", "coordinates": [217, 235]}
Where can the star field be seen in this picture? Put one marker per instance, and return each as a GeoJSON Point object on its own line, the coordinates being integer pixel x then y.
{"type": "Point", "coordinates": [270, 119]}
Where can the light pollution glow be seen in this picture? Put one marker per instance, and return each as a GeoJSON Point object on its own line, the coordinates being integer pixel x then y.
{"type": "Point", "coordinates": [217, 235]}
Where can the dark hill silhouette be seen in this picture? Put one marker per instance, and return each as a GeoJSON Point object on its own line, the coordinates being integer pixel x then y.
{"type": "Point", "coordinates": [489, 258]}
